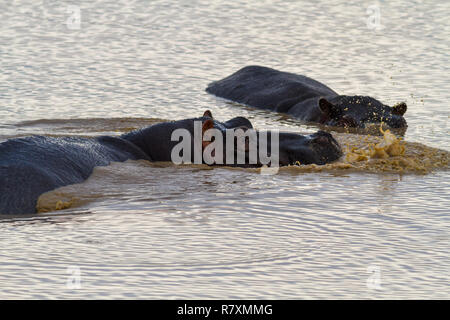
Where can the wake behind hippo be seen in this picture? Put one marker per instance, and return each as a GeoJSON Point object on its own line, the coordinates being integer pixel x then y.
{"type": "Point", "coordinates": [34, 165]}
{"type": "Point", "coordinates": [304, 98]}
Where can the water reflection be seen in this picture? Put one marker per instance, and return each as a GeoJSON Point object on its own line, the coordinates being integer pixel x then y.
{"type": "Point", "coordinates": [143, 231]}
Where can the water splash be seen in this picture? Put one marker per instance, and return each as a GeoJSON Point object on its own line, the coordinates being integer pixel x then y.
{"type": "Point", "coordinates": [380, 154]}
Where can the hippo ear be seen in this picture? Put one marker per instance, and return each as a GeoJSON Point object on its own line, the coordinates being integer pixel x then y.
{"type": "Point", "coordinates": [208, 124]}
{"type": "Point", "coordinates": [326, 106]}
{"type": "Point", "coordinates": [208, 114]}
{"type": "Point", "coordinates": [399, 109]}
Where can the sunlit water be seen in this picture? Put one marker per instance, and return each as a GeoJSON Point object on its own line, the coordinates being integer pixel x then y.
{"type": "Point", "coordinates": [141, 230]}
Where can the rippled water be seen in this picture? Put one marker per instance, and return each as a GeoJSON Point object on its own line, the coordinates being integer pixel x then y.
{"type": "Point", "coordinates": [141, 230]}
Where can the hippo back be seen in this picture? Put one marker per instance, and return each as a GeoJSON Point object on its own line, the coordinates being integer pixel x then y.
{"type": "Point", "coordinates": [265, 88]}
{"type": "Point", "coordinates": [33, 165]}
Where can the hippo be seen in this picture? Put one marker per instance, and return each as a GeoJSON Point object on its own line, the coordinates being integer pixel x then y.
{"type": "Point", "coordinates": [31, 166]}
{"type": "Point", "coordinates": [305, 98]}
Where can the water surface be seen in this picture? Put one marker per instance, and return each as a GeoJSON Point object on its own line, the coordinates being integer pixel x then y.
{"type": "Point", "coordinates": [140, 230]}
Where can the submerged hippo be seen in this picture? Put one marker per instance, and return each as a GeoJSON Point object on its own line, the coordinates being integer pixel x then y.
{"type": "Point", "coordinates": [304, 98]}
{"type": "Point", "coordinates": [33, 165]}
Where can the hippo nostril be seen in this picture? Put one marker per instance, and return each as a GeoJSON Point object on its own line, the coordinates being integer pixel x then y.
{"type": "Point", "coordinates": [321, 140]}
{"type": "Point", "coordinates": [324, 142]}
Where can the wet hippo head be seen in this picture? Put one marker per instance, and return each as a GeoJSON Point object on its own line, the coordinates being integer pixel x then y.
{"type": "Point", "coordinates": [293, 148]}
{"type": "Point", "coordinates": [358, 111]}
{"type": "Point", "coordinates": [318, 148]}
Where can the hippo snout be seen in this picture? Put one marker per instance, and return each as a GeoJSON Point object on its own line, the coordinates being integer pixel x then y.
{"type": "Point", "coordinates": [325, 147]}
{"type": "Point", "coordinates": [323, 138]}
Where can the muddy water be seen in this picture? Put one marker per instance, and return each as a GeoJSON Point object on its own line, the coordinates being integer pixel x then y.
{"type": "Point", "coordinates": [373, 225]}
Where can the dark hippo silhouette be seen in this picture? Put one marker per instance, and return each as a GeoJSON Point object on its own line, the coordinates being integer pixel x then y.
{"type": "Point", "coordinates": [304, 98]}
{"type": "Point", "coordinates": [33, 165]}
{"type": "Point", "coordinates": [317, 148]}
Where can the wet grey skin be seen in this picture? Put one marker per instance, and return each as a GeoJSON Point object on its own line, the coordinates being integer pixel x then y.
{"type": "Point", "coordinates": [305, 99]}
{"type": "Point", "coordinates": [318, 148]}
{"type": "Point", "coordinates": [31, 166]}
{"type": "Point", "coordinates": [293, 148]}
